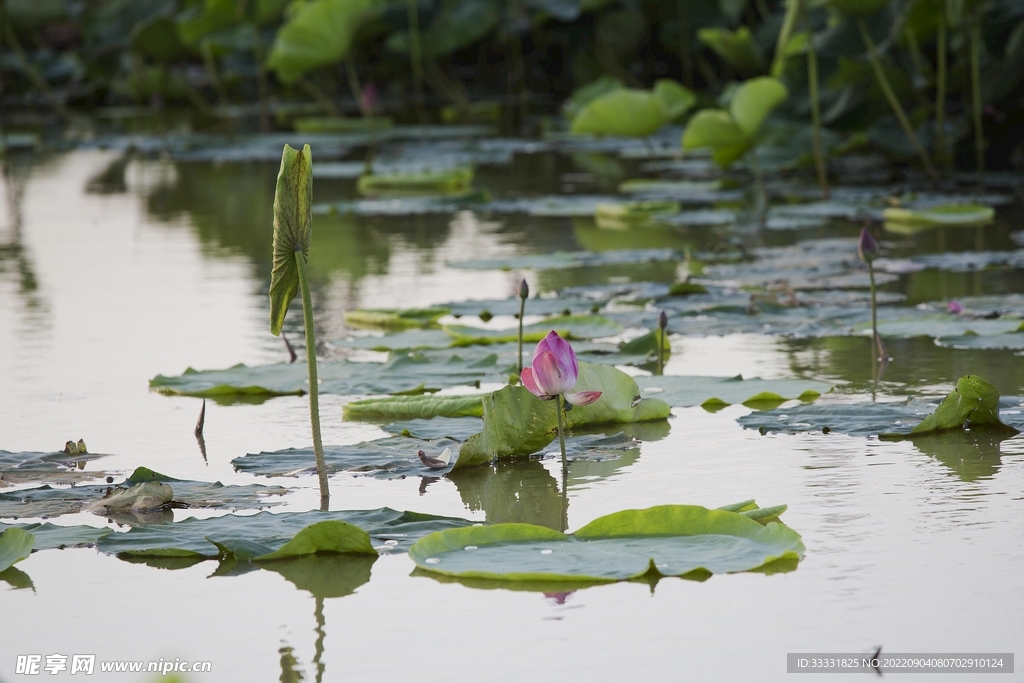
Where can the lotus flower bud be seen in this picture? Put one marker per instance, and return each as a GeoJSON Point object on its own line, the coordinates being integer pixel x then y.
{"type": "Point", "coordinates": [867, 247]}
{"type": "Point", "coordinates": [955, 307]}
{"type": "Point", "coordinates": [663, 320]}
{"type": "Point", "coordinates": [524, 290]}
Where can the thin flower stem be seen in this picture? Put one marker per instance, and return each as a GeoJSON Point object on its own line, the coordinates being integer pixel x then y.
{"type": "Point", "coordinates": [661, 350]}
{"type": "Point", "coordinates": [812, 81]}
{"type": "Point", "coordinates": [522, 308]}
{"type": "Point", "coordinates": [894, 102]}
{"type": "Point", "coordinates": [874, 309]}
{"type": "Point", "coordinates": [314, 398]}
{"type": "Point", "coordinates": [561, 432]}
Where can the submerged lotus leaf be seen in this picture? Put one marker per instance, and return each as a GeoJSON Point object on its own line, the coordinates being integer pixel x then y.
{"type": "Point", "coordinates": [951, 214]}
{"type": "Point", "coordinates": [669, 540]}
{"type": "Point", "coordinates": [458, 428]}
{"type": "Point", "coordinates": [518, 423]}
{"type": "Point", "coordinates": [414, 407]}
{"type": "Point", "coordinates": [405, 373]}
{"type": "Point", "coordinates": [570, 327]}
{"type": "Point", "coordinates": [394, 319]}
{"type": "Point", "coordinates": [265, 533]}
{"type": "Point", "coordinates": [293, 220]}
{"type": "Point", "coordinates": [578, 259]}
{"type": "Point", "coordinates": [686, 391]}
{"type": "Point", "coordinates": [624, 112]}
{"type": "Point", "coordinates": [390, 458]}
{"type": "Point", "coordinates": [973, 404]}
{"type": "Point", "coordinates": [445, 181]}
{"type": "Point", "coordinates": [15, 546]}
{"type": "Point", "coordinates": [46, 501]}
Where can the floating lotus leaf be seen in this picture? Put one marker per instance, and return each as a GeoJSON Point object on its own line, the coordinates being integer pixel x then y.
{"type": "Point", "coordinates": [684, 391]}
{"type": "Point", "coordinates": [339, 124]}
{"type": "Point", "coordinates": [46, 501]}
{"type": "Point", "coordinates": [973, 404]}
{"type": "Point", "coordinates": [391, 458]}
{"type": "Point", "coordinates": [625, 214]}
{"type": "Point", "coordinates": [393, 319]}
{"type": "Point", "coordinates": [408, 373]}
{"type": "Point", "coordinates": [15, 546]}
{"type": "Point", "coordinates": [570, 327]}
{"type": "Point", "coordinates": [518, 423]}
{"type": "Point", "coordinates": [52, 468]}
{"type": "Point", "coordinates": [51, 536]}
{"type": "Point", "coordinates": [415, 407]}
{"type": "Point", "coordinates": [422, 182]}
{"type": "Point", "coordinates": [579, 259]}
{"type": "Point", "coordinates": [670, 540]}
{"type": "Point", "coordinates": [459, 428]}
{"type": "Point", "coordinates": [968, 215]}
{"type": "Point", "coordinates": [253, 536]}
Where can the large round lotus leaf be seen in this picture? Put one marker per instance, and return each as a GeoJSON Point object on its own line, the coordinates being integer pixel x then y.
{"type": "Point", "coordinates": [671, 540]}
{"type": "Point", "coordinates": [318, 33]}
{"type": "Point", "coordinates": [625, 112]}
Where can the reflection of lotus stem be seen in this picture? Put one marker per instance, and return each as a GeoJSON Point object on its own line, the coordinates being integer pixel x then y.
{"type": "Point", "coordinates": [321, 633]}
{"type": "Point", "coordinates": [812, 80]}
{"type": "Point", "coordinates": [522, 307]}
{"type": "Point", "coordinates": [314, 399]}
{"type": "Point", "coordinates": [561, 432]}
{"type": "Point", "coordinates": [940, 95]}
{"type": "Point", "coordinates": [875, 340]}
{"type": "Point", "coordinates": [979, 134]}
{"type": "Point", "coordinates": [415, 57]}
{"type": "Point", "coordinates": [894, 102]}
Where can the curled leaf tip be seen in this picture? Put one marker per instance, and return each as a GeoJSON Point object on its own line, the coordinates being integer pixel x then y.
{"type": "Point", "coordinates": [293, 220]}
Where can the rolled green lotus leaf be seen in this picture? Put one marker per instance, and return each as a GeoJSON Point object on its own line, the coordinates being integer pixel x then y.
{"type": "Point", "coordinates": [15, 545]}
{"type": "Point", "coordinates": [293, 229]}
{"type": "Point", "coordinates": [965, 215]}
{"type": "Point", "coordinates": [150, 495]}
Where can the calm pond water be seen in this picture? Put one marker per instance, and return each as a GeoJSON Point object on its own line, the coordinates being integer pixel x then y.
{"type": "Point", "coordinates": [115, 269]}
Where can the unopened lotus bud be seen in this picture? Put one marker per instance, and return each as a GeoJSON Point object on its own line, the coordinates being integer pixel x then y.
{"type": "Point", "coordinates": [71, 448]}
{"type": "Point", "coordinates": [663, 320]}
{"type": "Point", "coordinates": [956, 308]}
{"type": "Point", "coordinates": [867, 246]}
{"type": "Point", "coordinates": [81, 446]}
{"type": "Point", "coordinates": [524, 290]}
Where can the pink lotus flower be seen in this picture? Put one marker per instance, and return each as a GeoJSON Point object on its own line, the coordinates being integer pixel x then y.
{"type": "Point", "coordinates": [956, 307]}
{"type": "Point", "coordinates": [555, 372]}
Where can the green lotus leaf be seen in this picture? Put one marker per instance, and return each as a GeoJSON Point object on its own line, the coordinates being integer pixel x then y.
{"type": "Point", "coordinates": [625, 214]}
{"type": "Point", "coordinates": [569, 327]}
{"type": "Point", "coordinates": [686, 391]}
{"type": "Point", "coordinates": [973, 404]}
{"type": "Point", "coordinates": [15, 546]}
{"type": "Point", "coordinates": [967, 215]}
{"type": "Point", "coordinates": [754, 100]}
{"type": "Point", "coordinates": [624, 112]}
{"type": "Point", "coordinates": [393, 319]}
{"type": "Point", "coordinates": [414, 407]}
{"type": "Point", "coordinates": [585, 94]}
{"type": "Point", "coordinates": [329, 536]}
{"type": "Point", "coordinates": [669, 540]}
{"type": "Point", "coordinates": [317, 33]}
{"type": "Point", "coordinates": [49, 536]}
{"type": "Point", "coordinates": [716, 129]}
{"type": "Point", "coordinates": [737, 48]}
{"type": "Point", "coordinates": [446, 181]}
{"type": "Point", "coordinates": [518, 423]}
{"type": "Point", "coordinates": [293, 231]}
{"type": "Point", "coordinates": [255, 536]}
{"type": "Point", "coordinates": [674, 97]}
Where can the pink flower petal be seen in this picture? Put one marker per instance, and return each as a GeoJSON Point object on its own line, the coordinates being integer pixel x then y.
{"type": "Point", "coordinates": [583, 398]}
{"type": "Point", "coordinates": [564, 355]}
{"type": "Point", "coordinates": [526, 377]}
{"type": "Point", "coordinates": [549, 376]}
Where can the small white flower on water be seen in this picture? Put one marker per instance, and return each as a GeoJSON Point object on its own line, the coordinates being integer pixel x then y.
{"type": "Point", "coordinates": [546, 551]}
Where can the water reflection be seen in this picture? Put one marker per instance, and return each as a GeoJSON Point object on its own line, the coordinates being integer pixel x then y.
{"type": "Point", "coordinates": [971, 455]}
{"type": "Point", "coordinates": [513, 491]}
{"type": "Point", "coordinates": [918, 365]}
{"type": "Point", "coordinates": [16, 264]}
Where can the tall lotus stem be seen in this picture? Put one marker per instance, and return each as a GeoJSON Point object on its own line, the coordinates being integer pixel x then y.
{"type": "Point", "coordinates": [293, 231]}
{"type": "Point", "coordinates": [524, 292]}
{"type": "Point", "coordinates": [894, 102]}
{"type": "Point", "coordinates": [979, 134]}
{"type": "Point", "coordinates": [940, 95]}
{"type": "Point", "coordinates": [416, 57]}
{"type": "Point", "coordinates": [812, 81]}
{"type": "Point", "coordinates": [662, 325]}
{"type": "Point", "coordinates": [867, 250]}
{"type": "Point", "coordinates": [561, 437]}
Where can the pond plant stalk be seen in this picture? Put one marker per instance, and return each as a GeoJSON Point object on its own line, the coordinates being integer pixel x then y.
{"type": "Point", "coordinates": [293, 221]}
{"type": "Point", "coordinates": [867, 250]}
{"type": "Point", "coordinates": [662, 325]}
{"type": "Point", "coordinates": [812, 82]}
{"type": "Point", "coordinates": [894, 101]}
{"type": "Point", "coordinates": [524, 293]}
